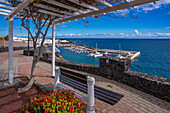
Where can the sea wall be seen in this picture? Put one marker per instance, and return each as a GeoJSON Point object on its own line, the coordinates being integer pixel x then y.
{"type": "Point", "coordinates": [119, 70]}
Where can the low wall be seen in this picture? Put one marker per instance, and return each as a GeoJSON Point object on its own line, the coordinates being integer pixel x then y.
{"type": "Point", "coordinates": [2, 49]}
{"type": "Point", "coordinates": [119, 70]}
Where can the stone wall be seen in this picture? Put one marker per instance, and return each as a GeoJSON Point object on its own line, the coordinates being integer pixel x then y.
{"type": "Point", "coordinates": [119, 70]}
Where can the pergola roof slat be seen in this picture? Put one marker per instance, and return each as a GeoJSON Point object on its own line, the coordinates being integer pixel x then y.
{"type": "Point", "coordinates": [105, 3]}
{"type": "Point", "coordinates": [53, 9]}
{"type": "Point", "coordinates": [84, 4]}
{"type": "Point", "coordinates": [3, 13]}
{"type": "Point", "coordinates": [63, 5]}
{"type": "Point", "coordinates": [4, 10]}
{"type": "Point", "coordinates": [6, 7]}
{"type": "Point", "coordinates": [51, 13]}
{"type": "Point", "coordinates": [19, 8]}
{"type": "Point", "coordinates": [107, 10]}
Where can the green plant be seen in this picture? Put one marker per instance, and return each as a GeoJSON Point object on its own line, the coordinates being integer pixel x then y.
{"type": "Point", "coordinates": [6, 37]}
{"type": "Point", "coordinates": [61, 101]}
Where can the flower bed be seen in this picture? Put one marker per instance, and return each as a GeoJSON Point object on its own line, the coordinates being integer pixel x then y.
{"type": "Point", "coordinates": [60, 101]}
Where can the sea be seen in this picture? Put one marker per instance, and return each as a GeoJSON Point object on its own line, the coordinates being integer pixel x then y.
{"type": "Point", "coordinates": [154, 58]}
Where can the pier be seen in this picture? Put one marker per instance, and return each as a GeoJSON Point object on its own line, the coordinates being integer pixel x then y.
{"type": "Point", "coordinates": [128, 54]}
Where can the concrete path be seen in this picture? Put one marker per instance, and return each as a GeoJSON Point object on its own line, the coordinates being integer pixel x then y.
{"type": "Point", "coordinates": [134, 101]}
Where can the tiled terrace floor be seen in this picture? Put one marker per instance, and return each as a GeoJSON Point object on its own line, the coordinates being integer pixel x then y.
{"type": "Point", "coordinates": [134, 101]}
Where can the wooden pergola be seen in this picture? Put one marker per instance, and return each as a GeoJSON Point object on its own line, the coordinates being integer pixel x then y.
{"type": "Point", "coordinates": [65, 10]}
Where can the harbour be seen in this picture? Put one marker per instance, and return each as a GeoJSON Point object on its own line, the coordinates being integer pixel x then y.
{"type": "Point", "coordinates": [95, 52]}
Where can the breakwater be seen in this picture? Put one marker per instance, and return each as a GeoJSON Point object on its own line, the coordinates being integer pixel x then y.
{"type": "Point", "coordinates": [119, 70]}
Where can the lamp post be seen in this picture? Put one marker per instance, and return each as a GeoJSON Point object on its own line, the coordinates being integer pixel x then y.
{"type": "Point", "coordinates": [28, 26]}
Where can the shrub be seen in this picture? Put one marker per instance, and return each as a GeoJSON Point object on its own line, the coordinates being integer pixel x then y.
{"type": "Point", "coordinates": [60, 101]}
{"type": "Point", "coordinates": [6, 37]}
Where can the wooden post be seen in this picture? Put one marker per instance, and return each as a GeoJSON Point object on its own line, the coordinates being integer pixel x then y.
{"type": "Point", "coordinates": [10, 50]}
{"type": "Point", "coordinates": [53, 50]}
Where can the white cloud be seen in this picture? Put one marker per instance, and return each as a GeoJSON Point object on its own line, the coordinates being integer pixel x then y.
{"type": "Point", "coordinates": [136, 31]}
{"type": "Point", "coordinates": [152, 6]}
{"type": "Point", "coordinates": [134, 34]}
{"type": "Point", "coordinates": [167, 27]}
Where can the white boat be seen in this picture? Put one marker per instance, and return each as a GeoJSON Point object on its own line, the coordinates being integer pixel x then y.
{"type": "Point", "coordinates": [91, 54]}
{"type": "Point", "coordinates": [120, 56]}
{"type": "Point", "coordinates": [105, 53]}
{"type": "Point", "coordinates": [57, 50]}
{"type": "Point", "coordinates": [98, 54]}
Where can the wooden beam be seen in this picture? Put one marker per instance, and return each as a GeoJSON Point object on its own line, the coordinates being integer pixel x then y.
{"type": "Point", "coordinates": [19, 8]}
{"type": "Point", "coordinates": [84, 5]}
{"type": "Point", "coordinates": [63, 5]}
{"type": "Point", "coordinates": [53, 9]}
{"type": "Point", "coordinates": [51, 13]}
{"type": "Point", "coordinates": [107, 10]}
{"type": "Point", "coordinates": [105, 3]}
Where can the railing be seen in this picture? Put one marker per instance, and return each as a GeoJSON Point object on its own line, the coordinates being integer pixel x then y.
{"type": "Point", "coordinates": [89, 99]}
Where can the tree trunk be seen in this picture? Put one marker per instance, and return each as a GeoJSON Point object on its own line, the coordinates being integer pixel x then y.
{"type": "Point", "coordinates": [29, 85]}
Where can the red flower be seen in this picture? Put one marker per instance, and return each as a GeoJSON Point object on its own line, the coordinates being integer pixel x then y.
{"type": "Point", "coordinates": [78, 106]}
{"type": "Point", "coordinates": [44, 100]}
{"type": "Point", "coordinates": [25, 111]}
{"type": "Point", "coordinates": [62, 108]}
{"type": "Point", "coordinates": [47, 111]}
{"type": "Point", "coordinates": [71, 109]}
{"type": "Point", "coordinates": [83, 103]}
{"type": "Point", "coordinates": [40, 103]}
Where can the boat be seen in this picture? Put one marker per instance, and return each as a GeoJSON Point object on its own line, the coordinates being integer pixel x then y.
{"type": "Point", "coordinates": [105, 54]}
{"type": "Point", "coordinates": [98, 54]}
{"type": "Point", "coordinates": [91, 54]}
{"type": "Point", "coordinates": [57, 50]}
{"type": "Point", "coordinates": [120, 56]}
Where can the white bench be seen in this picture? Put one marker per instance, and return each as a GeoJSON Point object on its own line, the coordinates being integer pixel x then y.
{"type": "Point", "coordinates": [89, 99]}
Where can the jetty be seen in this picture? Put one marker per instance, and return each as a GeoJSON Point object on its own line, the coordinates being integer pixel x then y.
{"type": "Point", "coordinates": [128, 54]}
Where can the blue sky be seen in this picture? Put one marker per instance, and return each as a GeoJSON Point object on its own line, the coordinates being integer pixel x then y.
{"type": "Point", "coordinates": [153, 20]}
